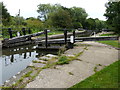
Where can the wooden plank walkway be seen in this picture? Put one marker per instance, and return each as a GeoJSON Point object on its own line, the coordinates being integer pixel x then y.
{"type": "Point", "coordinates": [101, 38]}
{"type": "Point", "coordinates": [42, 45]}
{"type": "Point", "coordinates": [78, 39]}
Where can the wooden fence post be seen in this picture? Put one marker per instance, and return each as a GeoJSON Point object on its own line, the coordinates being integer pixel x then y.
{"type": "Point", "coordinates": [74, 36]}
{"type": "Point", "coordinates": [29, 31]}
{"type": "Point", "coordinates": [10, 32]}
{"type": "Point", "coordinates": [65, 36]}
{"type": "Point", "coordinates": [23, 30]}
{"type": "Point", "coordinates": [46, 37]}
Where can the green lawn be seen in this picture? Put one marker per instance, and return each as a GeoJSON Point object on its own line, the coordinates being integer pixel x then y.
{"type": "Point", "coordinates": [113, 43]}
{"type": "Point", "coordinates": [55, 32]}
{"type": "Point", "coordinates": [108, 34]}
{"type": "Point", "coordinates": [106, 78]}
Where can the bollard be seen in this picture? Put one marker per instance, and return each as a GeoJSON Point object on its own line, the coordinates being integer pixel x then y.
{"type": "Point", "coordinates": [72, 39]}
{"type": "Point", "coordinates": [18, 34]}
{"type": "Point", "coordinates": [23, 30]}
{"type": "Point", "coordinates": [65, 36]}
{"type": "Point", "coordinates": [10, 32]}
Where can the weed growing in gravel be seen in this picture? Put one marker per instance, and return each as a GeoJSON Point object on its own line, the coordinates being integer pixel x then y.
{"type": "Point", "coordinates": [28, 74]}
{"type": "Point", "coordinates": [95, 69]}
{"type": "Point", "coordinates": [70, 73]}
{"type": "Point", "coordinates": [35, 61]}
{"type": "Point", "coordinates": [61, 51]}
{"type": "Point", "coordinates": [63, 60]}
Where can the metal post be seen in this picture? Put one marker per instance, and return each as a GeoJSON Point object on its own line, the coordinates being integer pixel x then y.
{"type": "Point", "coordinates": [74, 36]}
{"type": "Point", "coordinates": [10, 32]}
{"type": "Point", "coordinates": [65, 36]}
{"type": "Point", "coordinates": [46, 38]}
{"type": "Point", "coordinates": [23, 30]}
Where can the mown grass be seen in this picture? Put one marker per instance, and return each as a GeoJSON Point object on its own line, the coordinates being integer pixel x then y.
{"type": "Point", "coordinates": [106, 78]}
{"type": "Point", "coordinates": [112, 34]}
{"type": "Point", "coordinates": [55, 32]}
{"type": "Point", "coordinates": [113, 43]}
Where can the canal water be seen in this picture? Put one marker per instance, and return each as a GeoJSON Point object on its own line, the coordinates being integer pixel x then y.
{"type": "Point", "coordinates": [16, 59]}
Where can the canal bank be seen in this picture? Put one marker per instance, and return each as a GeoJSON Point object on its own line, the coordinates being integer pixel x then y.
{"type": "Point", "coordinates": [91, 57]}
{"type": "Point", "coordinates": [14, 60]}
{"type": "Point", "coordinates": [95, 57]}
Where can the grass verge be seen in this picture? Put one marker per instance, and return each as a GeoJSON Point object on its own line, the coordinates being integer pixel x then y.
{"type": "Point", "coordinates": [110, 34]}
{"type": "Point", "coordinates": [113, 43]}
{"type": "Point", "coordinates": [106, 78]}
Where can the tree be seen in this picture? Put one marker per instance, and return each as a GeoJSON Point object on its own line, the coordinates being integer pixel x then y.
{"type": "Point", "coordinates": [113, 16]}
{"type": "Point", "coordinates": [34, 23]}
{"type": "Point", "coordinates": [5, 15]}
{"type": "Point", "coordinates": [90, 24]}
{"type": "Point", "coordinates": [78, 15]}
{"type": "Point", "coordinates": [17, 20]}
{"type": "Point", "coordinates": [60, 19]}
{"type": "Point", "coordinates": [77, 25]}
{"type": "Point", "coordinates": [100, 24]}
{"type": "Point", "coordinates": [45, 9]}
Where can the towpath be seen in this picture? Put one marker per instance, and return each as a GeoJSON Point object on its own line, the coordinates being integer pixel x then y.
{"type": "Point", "coordinates": [94, 58]}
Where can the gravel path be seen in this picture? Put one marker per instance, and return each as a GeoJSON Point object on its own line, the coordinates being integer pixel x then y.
{"type": "Point", "coordinates": [64, 76]}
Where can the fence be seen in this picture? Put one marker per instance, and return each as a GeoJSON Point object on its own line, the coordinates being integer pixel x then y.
{"type": "Point", "coordinates": [10, 33]}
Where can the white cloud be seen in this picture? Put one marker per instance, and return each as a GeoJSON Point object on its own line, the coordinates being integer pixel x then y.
{"type": "Point", "coordinates": [95, 8]}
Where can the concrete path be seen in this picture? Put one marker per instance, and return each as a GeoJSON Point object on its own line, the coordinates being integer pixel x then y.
{"type": "Point", "coordinates": [95, 56]}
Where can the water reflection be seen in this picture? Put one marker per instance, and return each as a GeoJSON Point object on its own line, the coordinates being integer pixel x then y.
{"type": "Point", "coordinates": [14, 60]}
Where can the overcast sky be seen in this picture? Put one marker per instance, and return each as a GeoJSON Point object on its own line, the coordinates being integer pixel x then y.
{"type": "Point", "coordinates": [94, 8]}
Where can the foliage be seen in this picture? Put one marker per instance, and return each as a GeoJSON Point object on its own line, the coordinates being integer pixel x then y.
{"type": "Point", "coordinates": [99, 24]}
{"type": "Point", "coordinates": [77, 25]}
{"type": "Point", "coordinates": [5, 18]}
{"type": "Point", "coordinates": [17, 22]}
{"type": "Point", "coordinates": [78, 16]}
{"type": "Point", "coordinates": [113, 15]}
{"type": "Point", "coordinates": [63, 60]}
{"type": "Point", "coordinates": [60, 18]}
{"type": "Point", "coordinates": [90, 24]}
{"type": "Point", "coordinates": [106, 78]}
{"type": "Point", "coordinates": [34, 23]}
{"type": "Point", "coordinates": [94, 24]}
{"type": "Point", "coordinates": [45, 9]}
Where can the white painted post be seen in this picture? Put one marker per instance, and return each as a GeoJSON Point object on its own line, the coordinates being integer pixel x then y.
{"type": "Point", "coordinates": [72, 39]}
{"type": "Point", "coordinates": [18, 34]}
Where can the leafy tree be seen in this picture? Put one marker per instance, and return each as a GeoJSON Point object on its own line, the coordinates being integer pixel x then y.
{"type": "Point", "coordinates": [100, 24]}
{"type": "Point", "coordinates": [17, 21]}
{"type": "Point", "coordinates": [77, 25]}
{"type": "Point", "coordinates": [60, 19]}
{"type": "Point", "coordinates": [5, 15]}
{"type": "Point", "coordinates": [78, 15]}
{"type": "Point", "coordinates": [113, 15]}
{"type": "Point", "coordinates": [45, 9]}
{"type": "Point", "coordinates": [90, 24]}
{"type": "Point", "coordinates": [34, 23]}
{"type": "Point", "coordinates": [94, 24]}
